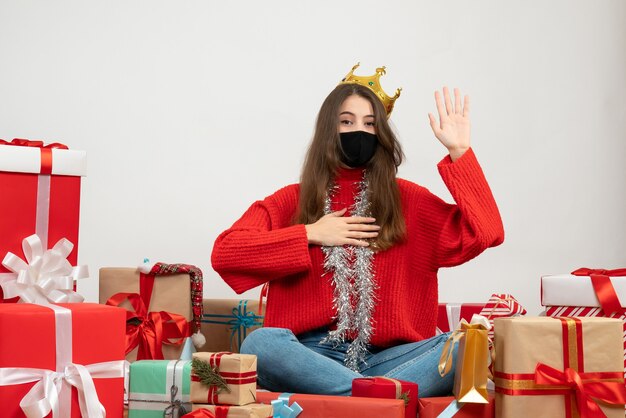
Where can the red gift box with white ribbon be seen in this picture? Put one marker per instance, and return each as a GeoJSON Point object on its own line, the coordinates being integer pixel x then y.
{"type": "Point", "coordinates": [71, 366]}
{"type": "Point", "coordinates": [40, 189]}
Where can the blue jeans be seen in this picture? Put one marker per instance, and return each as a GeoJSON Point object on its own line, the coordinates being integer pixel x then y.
{"type": "Point", "coordinates": [287, 363]}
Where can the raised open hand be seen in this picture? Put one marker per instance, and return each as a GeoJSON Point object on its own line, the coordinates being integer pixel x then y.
{"type": "Point", "coordinates": [335, 229]}
{"type": "Point", "coordinates": [453, 128]}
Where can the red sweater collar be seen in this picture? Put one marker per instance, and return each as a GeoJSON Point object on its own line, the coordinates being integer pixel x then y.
{"type": "Point", "coordinates": [349, 174]}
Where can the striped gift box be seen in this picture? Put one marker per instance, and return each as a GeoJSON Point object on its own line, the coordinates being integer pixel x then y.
{"type": "Point", "coordinates": [501, 305]}
{"type": "Point", "coordinates": [232, 378]}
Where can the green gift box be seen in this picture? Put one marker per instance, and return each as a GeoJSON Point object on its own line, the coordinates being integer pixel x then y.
{"type": "Point", "coordinates": [159, 388]}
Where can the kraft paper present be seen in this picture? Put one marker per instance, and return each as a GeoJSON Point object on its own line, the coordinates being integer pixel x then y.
{"type": "Point", "coordinates": [587, 350]}
{"type": "Point", "coordinates": [385, 387]}
{"type": "Point", "coordinates": [71, 342]}
{"type": "Point", "coordinates": [316, 406]}
{"type": "Point", "coordinates": [434, 407]}
{"type": "Point", "coordinates": [253, 410]}
{"type": "Point", "coordinates": [227, 322]}
{"type": "Point", "coordinates": [171, 293]}
{"type": "Point", "coordinates": [236, 381]}
{"type": "Point", "coordinates": [40, 189]}
{"type": "Point", "coordinates": [159, 387]}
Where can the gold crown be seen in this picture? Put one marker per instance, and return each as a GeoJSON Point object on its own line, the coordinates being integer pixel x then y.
{"type": "Point", "coordinates": [373, 83]}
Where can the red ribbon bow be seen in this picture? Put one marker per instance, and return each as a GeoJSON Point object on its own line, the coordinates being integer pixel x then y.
{"type": "Point", "coordinates": [150, 330]}
{"type": "Point", "coordinates": [586, 387]}
{"type": "Point", "coordinates": [46, 151]}
{"type": "Point", "coordinates": [609, 302]}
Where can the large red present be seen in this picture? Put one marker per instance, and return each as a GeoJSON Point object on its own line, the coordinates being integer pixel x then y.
{"type": "Point", "coordinates": [54, 358]}
{"type": "Point", "coordinates": [385, 387]}
{"type": "Point", "coordinates": [449, 315]}
{"type": "Point", "coordinates": [315, 406]}
{"type": "Point", "coordinates": [40, 189]}
{"type": "Point", "coordinates": [434, 407]}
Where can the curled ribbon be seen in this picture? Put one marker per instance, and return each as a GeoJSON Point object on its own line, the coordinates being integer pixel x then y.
{"type": "Point", "coordinates": [46, 276]}
{"type": "Point", "coordinates": [586, 387]}
{"type": "Point", "coordinates": [445, 361]}
{"type": "Point", "coordinates": [602, 286]}
{"type": "Point", "coordinates": [283, 410]}
{"type": "Point", "coordinates": [150, 330]}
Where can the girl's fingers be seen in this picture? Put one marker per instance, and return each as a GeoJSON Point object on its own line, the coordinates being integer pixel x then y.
{"type": "Point", "coordinates": [356, 243]}
{"type": "Point", "coordinates": [339, 212]}
{"type": "Point", "coordinates": [363, 235]}
{"type": "Point", "coordinates": [446, 97]}
{"type": "Point", "coordinates": [457, 102]}
{"type": "Point", "coordinates": [360, 220]}
{"type": "Point", "coordinates": [466, 107]}
{"type": "Point", "coordinates": [364, 227]}
{"type": "Point", "coordinates": [433, 122]}
{"type": "Point", "coordinates": [440, 108]}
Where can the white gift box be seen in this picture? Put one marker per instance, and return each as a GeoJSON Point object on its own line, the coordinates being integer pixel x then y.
{"type": "Point", "coordinates": [570, 290]}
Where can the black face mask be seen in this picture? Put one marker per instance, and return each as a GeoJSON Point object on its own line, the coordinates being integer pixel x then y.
{"type": "Point", "coordinates": [358, 147]}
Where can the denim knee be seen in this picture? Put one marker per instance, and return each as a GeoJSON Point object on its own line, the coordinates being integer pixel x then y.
{"type": "Point", "coordinates": [261, 339]}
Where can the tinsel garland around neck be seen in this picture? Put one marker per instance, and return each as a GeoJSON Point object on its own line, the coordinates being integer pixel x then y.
{"type": "Point", "coordinates": [353, 285]}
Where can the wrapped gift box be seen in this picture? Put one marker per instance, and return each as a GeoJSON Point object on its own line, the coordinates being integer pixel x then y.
{"type": "Point", "coordinates": [315, 406]}
{"type": "Point", "coordinates": [384, 387]}
{"type": "Point", "coordinates": [253, 410]}
{"type": "Point", "coordinates": [571, 295]}
{"type": "Point", "coordinates": [68, 339]}
{"type": "Point", "coordinates": [237, 375]}
{"type": "Point", "coordinates": [227, 322]}
{"type": "Point", "coordinates": [159, 387]}
{"type": "Point", "coordinates": [537, 358]}
{"type": "Point", "coordinates": [433, 407]}
{"type": "Point", "coordinates": [40, 189]}
{"type": "Point", "coordinates": [169, 293]}
{"type": "Point", "coordinates": [449, 315]}
{"type": "Point", "coordinates": [574, 290]}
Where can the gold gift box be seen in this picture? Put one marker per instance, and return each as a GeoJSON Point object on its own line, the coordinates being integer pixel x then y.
{"type": "Point", "coordinates": [592, 345]}
{"type": "Point", "coordinates": [238, 372]}
{"type": "Point", "coordinates": [226, 322]}
{"type": "Point", "coordinates": [171, 293]}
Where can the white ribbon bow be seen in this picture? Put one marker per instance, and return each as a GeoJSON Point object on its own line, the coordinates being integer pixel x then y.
{"type": "Point", "coordinates": [44, 396]}
{"type": "Point", "coordinates": [46, 276]}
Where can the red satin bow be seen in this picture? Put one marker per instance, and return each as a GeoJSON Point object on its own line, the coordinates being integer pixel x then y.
{"type": "Point", "coordinates": [586, 391]}
{"type": "Point", "coordinates": [609, 302]}
{"type": "Point", "coordinates": [28, 143]}
{"type": "Point", "coordinates": [150, 330]}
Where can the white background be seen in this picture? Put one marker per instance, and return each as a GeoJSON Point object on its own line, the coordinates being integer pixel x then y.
{"type": "Point", "coordinates": [191, 110]}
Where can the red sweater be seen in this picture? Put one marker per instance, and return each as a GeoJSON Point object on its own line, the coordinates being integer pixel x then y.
{"type": "Point", "coordinates": [264, 246]}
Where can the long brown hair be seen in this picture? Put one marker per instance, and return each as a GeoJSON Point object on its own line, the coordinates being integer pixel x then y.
{"type": "Point", "coordinates": [323, 159]}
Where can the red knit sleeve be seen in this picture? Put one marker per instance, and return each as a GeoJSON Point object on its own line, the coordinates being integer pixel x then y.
{"type": "Point", "coordinates": [473, 224]}
{"type": "Point", "coordinates": [259, 248]}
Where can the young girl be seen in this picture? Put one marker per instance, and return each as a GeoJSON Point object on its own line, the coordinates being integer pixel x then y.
{"type": "Point", "coordinates": [351, 253]}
